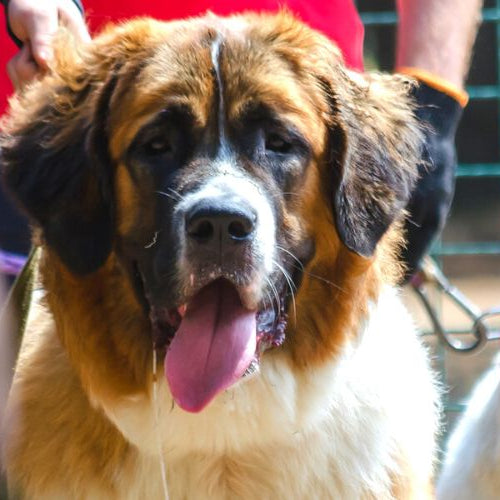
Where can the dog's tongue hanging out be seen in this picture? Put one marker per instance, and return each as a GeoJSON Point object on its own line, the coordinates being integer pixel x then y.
{"type": "Point", "coordinates": [212, 348]}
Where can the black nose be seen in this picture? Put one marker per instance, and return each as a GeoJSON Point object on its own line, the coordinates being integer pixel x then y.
{"type": "Point", "coordinates": [220, 221]}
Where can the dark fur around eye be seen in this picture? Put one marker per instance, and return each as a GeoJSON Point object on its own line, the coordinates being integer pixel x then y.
{"type": "Point", "coordinates": [276, 143]}
{"type": "Point", "coordinates": [165, 136]}
{"type": "Point", "coordinates": [158, 144]}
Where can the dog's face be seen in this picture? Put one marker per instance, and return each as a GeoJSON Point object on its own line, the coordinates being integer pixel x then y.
{"type": "Point", "coordinates": [234, 173]}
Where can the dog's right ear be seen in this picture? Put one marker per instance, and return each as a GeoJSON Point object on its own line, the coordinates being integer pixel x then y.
{"type": "Point", "coordinates": [55, 163]}
{"type": "Point", "coordinates": [54, 146]}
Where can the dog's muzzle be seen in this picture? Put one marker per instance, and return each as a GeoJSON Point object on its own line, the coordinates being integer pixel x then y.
{"type": "Point", "coordinates": [230, 309]}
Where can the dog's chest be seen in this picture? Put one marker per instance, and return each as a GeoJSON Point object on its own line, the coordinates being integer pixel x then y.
{"type": "Point", "coordinates": [201, 477]}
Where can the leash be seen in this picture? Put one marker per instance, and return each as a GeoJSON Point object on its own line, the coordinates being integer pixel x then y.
{"type": "Point", "coordinates": [18, 302]}
{"type": "Point", "coordinates": [430, 277]}
{"type": "Point", "coordinates": [15, 311]}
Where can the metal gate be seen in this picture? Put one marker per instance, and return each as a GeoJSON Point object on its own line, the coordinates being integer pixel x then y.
{"type": "Point", "coordinates": [470, 245]}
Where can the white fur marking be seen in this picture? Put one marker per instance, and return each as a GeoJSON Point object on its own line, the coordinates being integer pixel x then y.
{"type": "Point", "coordinates": [153, 242]}
{"type": "Point", "coordinates": [215, 52]}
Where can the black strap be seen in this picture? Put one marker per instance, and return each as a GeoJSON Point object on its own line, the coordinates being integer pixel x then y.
{"type": "Point", "coordinates": [17, 306]}
{"type": "Point", "coordinates": [19, 300]}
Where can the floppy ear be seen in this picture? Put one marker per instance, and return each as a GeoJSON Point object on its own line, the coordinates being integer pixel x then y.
{"type": "Point", "coordinates": [54, 144]}
{"type": "Point", "coordinates": [375, 146]}
{"type": "Point", "coordinates": [55, 161]}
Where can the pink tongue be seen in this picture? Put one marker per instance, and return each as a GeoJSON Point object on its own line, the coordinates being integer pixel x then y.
{"type": "Point", "coordinates": [212, 348]}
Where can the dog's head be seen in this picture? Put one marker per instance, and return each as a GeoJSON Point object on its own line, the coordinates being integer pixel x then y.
{"type": "Point", "coordinates": [234, 171]}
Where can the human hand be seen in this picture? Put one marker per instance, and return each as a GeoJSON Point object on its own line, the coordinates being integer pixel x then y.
{"type": "Point", "coordinates": [34, 22]}
{"type": "Point", "coordinates": [430, 202]}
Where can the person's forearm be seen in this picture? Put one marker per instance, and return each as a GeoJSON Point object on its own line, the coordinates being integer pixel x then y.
{"type": "Point", "coordinates": [437, 36]}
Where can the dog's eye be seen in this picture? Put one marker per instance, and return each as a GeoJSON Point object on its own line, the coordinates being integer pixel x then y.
{"type": "Point", "coordinates": [277, 144]}
{"type": "Point", "coordinates": [157, 146]}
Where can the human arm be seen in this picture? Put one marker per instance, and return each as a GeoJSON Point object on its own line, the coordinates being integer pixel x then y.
{"type": "Point", "coordinates": [437, 36]}
{"type": "Point", "coordinates": [32, 23]}
{"type": "Point", "coordinates": [435, 40]}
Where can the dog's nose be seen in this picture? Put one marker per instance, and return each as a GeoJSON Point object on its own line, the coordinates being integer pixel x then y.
{"type": "Point", "coordinates": [220, 222]}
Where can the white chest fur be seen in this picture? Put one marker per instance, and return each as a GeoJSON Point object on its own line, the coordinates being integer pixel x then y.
{"type": "Point", "coordinates": [335, 431]}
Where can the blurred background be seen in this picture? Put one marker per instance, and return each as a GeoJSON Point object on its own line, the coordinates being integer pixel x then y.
{"type": "Point", "coordinates": [469, 251]}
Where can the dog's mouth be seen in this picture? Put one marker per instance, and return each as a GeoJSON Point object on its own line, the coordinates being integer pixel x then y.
{"type": "Point", "coordinates": [213, 340]}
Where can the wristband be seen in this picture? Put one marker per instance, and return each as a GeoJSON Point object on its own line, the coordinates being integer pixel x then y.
{"type": "Point", "coordinates": [436, 82]}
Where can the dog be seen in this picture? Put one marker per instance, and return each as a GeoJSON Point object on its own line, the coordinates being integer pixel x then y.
{"type": "Point", "coordinates": [217, 206]}
{"type": "Point", "coordinates": [471, 467]}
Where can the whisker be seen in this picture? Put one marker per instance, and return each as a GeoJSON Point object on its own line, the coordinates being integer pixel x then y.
{"type": "Point", "coordinates": [291, 255]}
{"type": "Point", "coordinates": [179, 195]}
{"type": "Point", "coordinates": [176, 196]}
{"type": "Point", "coordinates": [286, 193]}
{"type": "Point", "coordinates": [269, 298]}
{"type": "Point", "coordinates": [291, 286]}
{"type": "Point", "coordinates": [287, 276]}
{"type": "Point", "coordinates": [153, 241]}
{"type": "Point", "coordinates": [302, 268]}
{"type": "Point", "coordinates": [276, 295]}
{"type": "Point", "coordinates": [324, 280]}
{"type": "Point", "coordinates": [167, 195]}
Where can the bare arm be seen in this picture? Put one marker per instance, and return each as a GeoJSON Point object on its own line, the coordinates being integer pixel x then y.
{"type": "Point", "coordinates": [435, 39]}
{"type": "Point", "coordinates": [437, 36]}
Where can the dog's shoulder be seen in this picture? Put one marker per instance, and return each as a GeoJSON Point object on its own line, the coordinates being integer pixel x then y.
{"type": "Point", "coordinates": [47, 390]}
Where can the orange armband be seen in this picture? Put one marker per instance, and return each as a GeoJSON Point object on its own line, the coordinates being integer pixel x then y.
{"type": "Point", "coordinates": [437, 83]}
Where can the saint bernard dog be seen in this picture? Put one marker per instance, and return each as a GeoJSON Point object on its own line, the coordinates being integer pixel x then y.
{"type": "Point", "coordinates": [217, 205]}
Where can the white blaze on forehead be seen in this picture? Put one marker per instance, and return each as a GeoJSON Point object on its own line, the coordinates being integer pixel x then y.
{"type": "Point", "coordinates": [215, 53]}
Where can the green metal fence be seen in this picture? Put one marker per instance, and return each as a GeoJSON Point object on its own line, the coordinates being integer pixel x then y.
{"type": "Point", "coordinates": [476, 92]}
{"type": "Point", "coordinates": [478, 144]}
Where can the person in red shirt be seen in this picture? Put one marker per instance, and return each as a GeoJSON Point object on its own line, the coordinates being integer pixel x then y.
{"type": "Point", "coordinates": [434, 44]}
{"type": "Point", "coordinates": [34, 22]}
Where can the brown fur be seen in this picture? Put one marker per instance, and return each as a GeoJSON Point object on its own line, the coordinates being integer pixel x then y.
{"type": "Point", "coordinates": [97, 340]}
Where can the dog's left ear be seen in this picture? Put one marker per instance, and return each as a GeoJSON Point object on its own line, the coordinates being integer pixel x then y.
{"type": "Point", "coordinates": [375, 147]}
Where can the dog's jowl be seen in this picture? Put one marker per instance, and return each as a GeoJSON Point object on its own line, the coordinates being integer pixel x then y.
{"type": "Point", "coordinates": [217, 205]}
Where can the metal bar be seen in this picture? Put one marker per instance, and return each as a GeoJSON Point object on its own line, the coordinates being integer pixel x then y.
{"type": "Point", "coordinates": [483, 92]}
{"type": "Point", "coordinates": [497, 31]}
{"type": "Point", "coordinates": [379, 18]}
{"type": "Point", "coordinates": [479, 170]}
{"type": "Point", "coordinates": [386, 18]}
{"type": "Point", "coordinates": [493, 334]}
{"type": "Point", "coordinates": [456, 407]}
{"type": "Point", "coordinates": [469, 248]}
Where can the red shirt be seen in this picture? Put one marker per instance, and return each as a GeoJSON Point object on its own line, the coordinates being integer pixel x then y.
{"type": "Point", "coordinates": [338, 19]}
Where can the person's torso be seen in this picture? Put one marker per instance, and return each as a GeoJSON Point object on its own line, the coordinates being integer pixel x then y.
{"type": "Point", "coordinates": [338, 19]}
